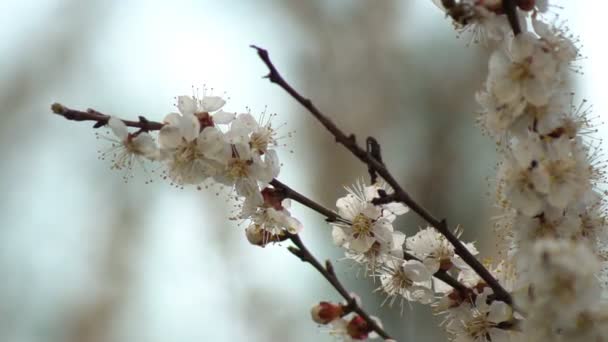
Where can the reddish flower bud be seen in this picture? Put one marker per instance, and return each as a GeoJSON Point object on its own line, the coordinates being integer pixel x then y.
{"type": "Point", "coordinates": [325, 312]}
{"type": "Point", "coordinates": [526, 5]}
{"type": "Point", "coordinates": [273, 198]}
{"type": "Point", "coordinates": [358, 328]}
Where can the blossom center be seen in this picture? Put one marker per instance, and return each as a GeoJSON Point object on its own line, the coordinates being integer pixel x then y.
{"type": "Point", "coordinates": [259, 141]}
{"type": "Point", "coordinates": [362, 225]}
{"type": "Point", "coordinates": [560, 170]}
{"type": "Point", "coordinates": [238, 168]}
{"type": "Point", "coordinates": [187, 153]}
{"type": "Point", "coordinates": [521, 71]}
{"type": "Point", "coordinates": [399, 281]}
{"type": "Point", "coordinates": [478, 326]}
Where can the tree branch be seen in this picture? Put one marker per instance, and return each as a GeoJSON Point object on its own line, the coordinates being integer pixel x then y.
{"type": "Point", "coordinates": [101, 119]}
{"type": "Point", "coordinates": [329, 274]}
{"type": "Point", "coordinates": [510, 8]}
{"type": "Point", "coordinates": [330, 216]}
{"type": "Point", "coordinates": [350, 143]}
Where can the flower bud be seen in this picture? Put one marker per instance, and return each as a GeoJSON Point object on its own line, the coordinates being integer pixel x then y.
{"type": "Point", "coordinates": [255, 235]}
{"type": "Point", "coordinates": [358, 328]}
{"type": "Point", "coordinates": [526, 5]}
{"type": "Point", "coordinates": [258, 236]}
{"type": "Point", "coordinates": [325, 312]}
{"type": "Point", "coordinates": [273, 198]}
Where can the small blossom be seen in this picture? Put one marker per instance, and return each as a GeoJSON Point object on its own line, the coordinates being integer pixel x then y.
{"type": "Point", "coordinates": [480, 322]}
{"type": "Point", "coordinates": [378, 253]}
{"type": "Point", "coordinates": [191, 154]}
{"type": "Point", "coordinates": [409, 280]}
{"type": "Point", "coordinates": [326, 312]}
{"type": "Point", "coordinates": [128, 148]}
{"type": "Point", "coordinates": [353, 329]}
{"type": "Point", "coordinates": [246, 171]}
{"type": "Point", "coordinates": [270, 215]}
{"type": "Point", "coordinates": [435, 251]}
{"type": "Point", "coordinates": [367, 223]}
{"type": "Point", "coordinates": [523, 70]}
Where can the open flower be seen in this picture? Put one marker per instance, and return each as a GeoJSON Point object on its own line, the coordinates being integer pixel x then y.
{"type": "Point", "coordinates": [246, 170]}
{"type": "Point", "coordinates": [524, 69]}
{"type": "Point", "coordinates": [480, 322]}
{"type": "Point", "coordinates": [435, 251]}
{"type": "Point", "coordinates": [202, 109]}
{"type": "Point", "coordinates": [408, 280]}
{"type": "Point", "coordinates": [129, 147]}
{"type": "Point", "coordinates": [191, 154]}
{"type": "Point", "coordinates": [366, 223]}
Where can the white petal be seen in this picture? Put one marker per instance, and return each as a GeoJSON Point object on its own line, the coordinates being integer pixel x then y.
{"type": "Point", "coordinates": [421, 294]}
{"type": "Point", "coordinates": [432, 264]}
{"type": "Point", "coordinates": [186, 104]}
{"type": "Point", "coordinates": [362, 244]}
{"type": "Point", "coordinates": [271, 159]}
{"type": "Point", "coordinates": [499, 312]}
{"type": "Point", "coordinates": [223, 117]}
{"type": "Point", "coordinates": [416, 271]}
{"type": "Point", "coordinates": [169, 137]}
{"type": "Point", "coordinates": [212, 103]}
{"type": "Point", "coordinates": [146, 145]}
{"type": "Point", "coordinates": [339, 236]}
{"type": "Point", "coordinates": [190, 127]}
{"type": "Point", "coordinates": [118, 128]}
{"type": "Point", "coordinates": [536, 92]}
{"type": "Point", "coordinates": [522, 46]}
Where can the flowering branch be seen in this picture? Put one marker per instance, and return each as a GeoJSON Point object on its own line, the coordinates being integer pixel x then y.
{"type": "Point", "coordinates": [401, 195]}
{"type": "Point", "coordinates": [331, 216]}
{"type": "Point", "coordinates": [329, 274]}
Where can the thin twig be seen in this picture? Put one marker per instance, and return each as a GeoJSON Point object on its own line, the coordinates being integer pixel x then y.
{"type": "Point", "coordinates": [350, 143]}
{"type": "Point", "coordinates": [329, 274]}
{"type": "Point", "coordinates": [330, 216]}
{"type": "Point", "coordinates": [101, 119]}
{"type": "Point", "coordinates": [510, 8]}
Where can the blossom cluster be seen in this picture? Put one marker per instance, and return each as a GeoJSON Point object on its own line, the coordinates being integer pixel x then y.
{"type": "Point", "coordinates": [553, 218]}
{"type": "Point", "coordinates": [554, 215]}
{"type": "Point", "coordinates": [405, 266]}
{"type": "Point", "coordinates": [202, 144]}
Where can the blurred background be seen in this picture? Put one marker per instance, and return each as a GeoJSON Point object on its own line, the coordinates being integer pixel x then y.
{"type": "Point", "coordinates": [85, 257]}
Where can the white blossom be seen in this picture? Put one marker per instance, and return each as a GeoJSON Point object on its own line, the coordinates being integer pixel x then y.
{"type": "Point", "coordinates": [480, 322]}
{"type": "Point", "coordinates": [191, 154]}
{"type": "Point", "coordinates": [435, 250]}
{"type": "Point", "coordinates": [128, 148]}
{"type": "Point", "coordinates": [405, 279]}
{"type": "Point", "coordinates": [523, 69]}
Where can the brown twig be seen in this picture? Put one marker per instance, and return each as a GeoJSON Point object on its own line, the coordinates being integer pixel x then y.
{"type": "Point", "coordinates": [101, 119]}
{"type": "Point", "coordinates": [510, 8]}
{"type": "Point", "coordinates": [330, 216]}
{"type": "Point", "coordinates": [329, 274]}
{"type": "Point", "coordinates": [401, 195]}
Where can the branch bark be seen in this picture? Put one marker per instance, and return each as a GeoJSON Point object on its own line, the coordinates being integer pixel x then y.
{"type": "Point", "coordinates": [329, 274]}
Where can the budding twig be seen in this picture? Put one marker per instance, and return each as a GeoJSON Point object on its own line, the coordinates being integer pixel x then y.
{"type": "Point", "coordinates": [101, 119]}
{"type": "Point", "coordinates": [401, 195]}
{"type": "Point", "coordinates": [329, 274]}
